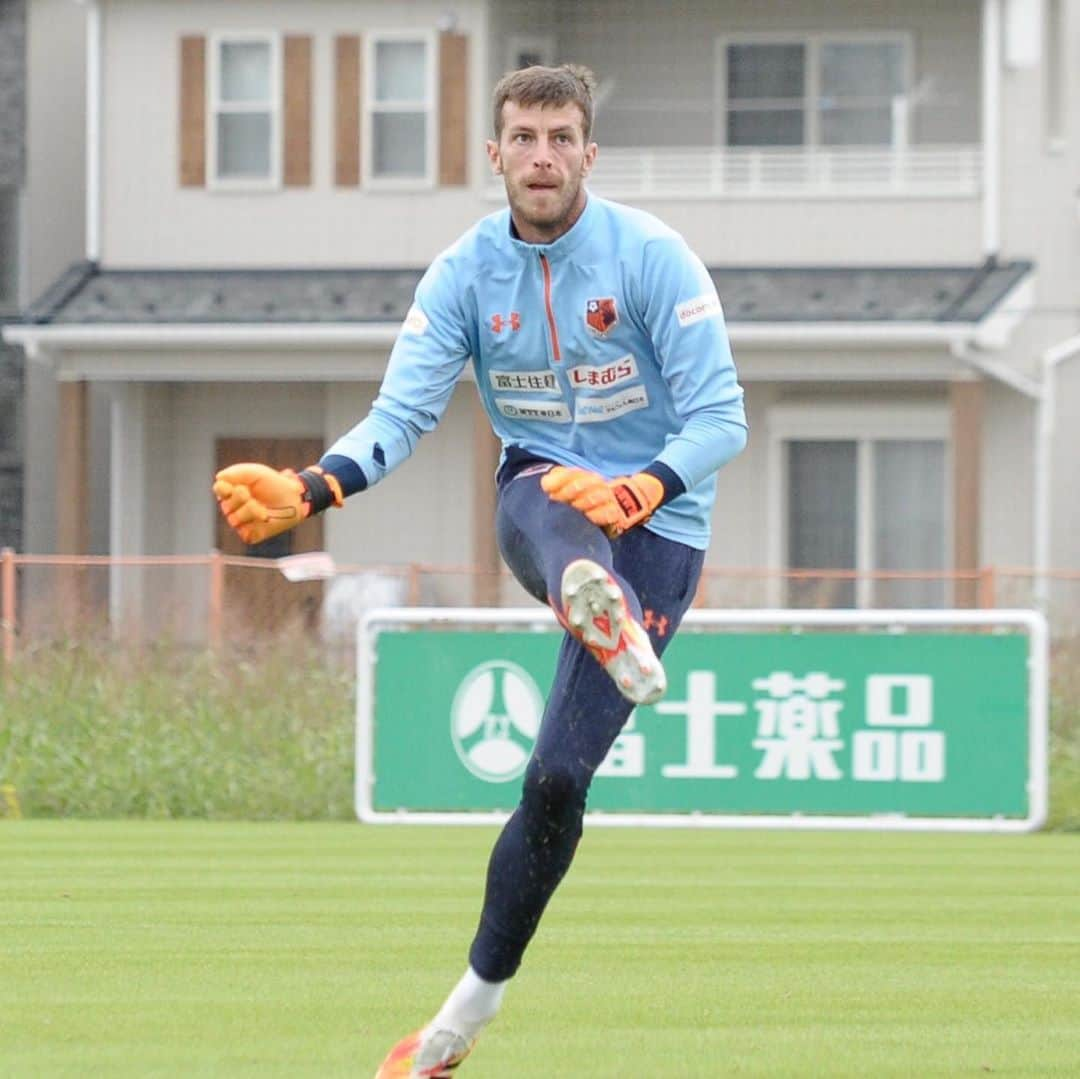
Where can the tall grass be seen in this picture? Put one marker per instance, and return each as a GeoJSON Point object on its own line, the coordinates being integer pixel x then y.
{"type": "Point", "coordinates": [1065, 736]}
{"type": "Point", "coordinates": [165, 731]}
{"type": "Point", "coordinates": [260, 733]}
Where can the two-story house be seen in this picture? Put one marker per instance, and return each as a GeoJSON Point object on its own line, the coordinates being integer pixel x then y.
{"type": "Point", "coordinates": [884, 192]}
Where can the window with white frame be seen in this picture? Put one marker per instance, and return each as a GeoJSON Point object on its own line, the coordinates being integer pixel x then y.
{"type": "Point", "coordinates": [245, 110]}
{"type": "Point", "coordinates": [813, 91]}
{"type": "Point", "coordinates": [868, 495]}
{"type": "Point", "coordinates": [401, 111]}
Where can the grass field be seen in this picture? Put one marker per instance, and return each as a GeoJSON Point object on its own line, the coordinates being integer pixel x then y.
{"type": "Point", "coordinates": [220, 949]}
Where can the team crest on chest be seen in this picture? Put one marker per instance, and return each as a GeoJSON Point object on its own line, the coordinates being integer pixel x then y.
{"type": "Point", "coordinates": [601, 315]}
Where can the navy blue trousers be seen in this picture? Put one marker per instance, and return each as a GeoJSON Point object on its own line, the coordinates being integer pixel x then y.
{"type": "Point", "coordinates": [538, 538]}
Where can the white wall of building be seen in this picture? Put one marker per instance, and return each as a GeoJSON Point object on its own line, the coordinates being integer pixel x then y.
{"type": "Point", "coordinates": [149, 220]}
{"type": "Point", "coordinates": [1006, 492]}
{"type": "Point", "coordinates": [822, 231]}
{"type": "Point", "coordinates": [1040, 133]}
{"type": "Point", "coordinates": [55, 227]}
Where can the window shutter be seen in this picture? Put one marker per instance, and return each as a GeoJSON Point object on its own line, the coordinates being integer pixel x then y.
{"type": "Point", "coordinates": [347, 110]}
{"type": "Point", "coordinates": [193, 111]}
{"type": "Point", "coordinates": [297, 111]}
{"type": "Point", "coordinates": [453, 108]}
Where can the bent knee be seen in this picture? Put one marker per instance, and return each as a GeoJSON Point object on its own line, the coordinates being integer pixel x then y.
{"type": "Point", "coordinates": [556, 790]}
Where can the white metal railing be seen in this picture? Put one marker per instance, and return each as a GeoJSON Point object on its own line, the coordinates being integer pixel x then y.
{"type": "Point", "coordinates": [802, 172]}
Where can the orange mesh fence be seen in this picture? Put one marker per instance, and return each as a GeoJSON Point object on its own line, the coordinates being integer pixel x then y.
{"type": "Point", "coordinates": [742, 589]}
{"type": "Point", "coordinates": [1057, 594]}
{"type": "Point", "coordinates": [215, 600]}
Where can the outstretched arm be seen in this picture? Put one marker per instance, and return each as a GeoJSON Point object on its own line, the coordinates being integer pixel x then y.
{"type": "Point", "coordinates": [424, 366]}
{"type": "Point", "coordinates": [260, 502]}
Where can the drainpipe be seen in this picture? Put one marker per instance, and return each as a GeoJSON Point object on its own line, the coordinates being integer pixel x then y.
{"type": "Point", "coordinates": [1044, 436]}
{"type": "Point", "coordinates": [93, 130]}
{"type": "Point", "coordinates": [991, 127]}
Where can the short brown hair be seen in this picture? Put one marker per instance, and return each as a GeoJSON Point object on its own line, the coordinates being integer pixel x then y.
{"type": "Point", "coordinates": [546, 86]}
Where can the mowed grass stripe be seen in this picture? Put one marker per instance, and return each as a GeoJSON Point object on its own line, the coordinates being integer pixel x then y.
{"type": "Point", "coordinates": [220, 949]}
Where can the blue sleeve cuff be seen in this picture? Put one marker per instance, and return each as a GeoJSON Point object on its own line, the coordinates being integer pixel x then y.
{"type": "Point", "coordinates": [346, 471]}
{"type": "Point", "coordinates": [673, 486]}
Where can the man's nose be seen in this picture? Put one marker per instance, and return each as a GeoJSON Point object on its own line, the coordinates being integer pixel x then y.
{"type": "Point", "coordinates": [543, 156]}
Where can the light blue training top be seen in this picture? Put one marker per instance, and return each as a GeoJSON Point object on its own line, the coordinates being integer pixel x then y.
{"type": "Point", "coordinates": [605, 349]}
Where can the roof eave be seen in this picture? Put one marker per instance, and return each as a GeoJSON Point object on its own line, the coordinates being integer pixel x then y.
{"type": "Point", "coordinates": [35, 339]}
{"type": "Point", "coordinates": [882, 334]}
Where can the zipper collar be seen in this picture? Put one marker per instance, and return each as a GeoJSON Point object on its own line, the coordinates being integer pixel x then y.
{"type": "Point", "coordinates": [565, 244]}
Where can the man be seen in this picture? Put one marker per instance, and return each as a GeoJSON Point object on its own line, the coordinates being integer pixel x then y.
{"type": "Point", "coordinates": [602, 360]}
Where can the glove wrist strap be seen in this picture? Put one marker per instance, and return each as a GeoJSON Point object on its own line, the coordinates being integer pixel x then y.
{"type": "Point", "coordinates": [638, 495]}
{"type": "Point", "coordinates": [321, 491]}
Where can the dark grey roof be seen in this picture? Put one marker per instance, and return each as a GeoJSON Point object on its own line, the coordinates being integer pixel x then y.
{"type": "Point", "coordinates": [866, 294]}
{"type": "Point", "coordinates": [87, 294]}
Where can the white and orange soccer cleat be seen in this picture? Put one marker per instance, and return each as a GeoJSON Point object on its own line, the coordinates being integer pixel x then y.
{"type": "Point", "coordinates": [594, 611]}
{"type": "Point", "coordinates": [425, 1054]}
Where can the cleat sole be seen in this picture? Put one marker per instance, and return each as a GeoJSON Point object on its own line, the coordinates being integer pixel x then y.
{"type": "Point", "coordinates": [594, 612]}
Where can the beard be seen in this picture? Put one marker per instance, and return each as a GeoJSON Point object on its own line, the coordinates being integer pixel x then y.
{"type": "Point", "coordinates": [550, 212]}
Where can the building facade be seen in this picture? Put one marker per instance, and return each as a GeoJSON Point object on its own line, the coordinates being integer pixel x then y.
{"type": "Point", "coordinates": [885, 194]}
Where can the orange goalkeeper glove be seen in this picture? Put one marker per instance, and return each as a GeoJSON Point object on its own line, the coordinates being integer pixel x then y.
{"type": "Point", "coordinates": [614, 505]}
{"type": "Point", "coordinates": [260, 502]}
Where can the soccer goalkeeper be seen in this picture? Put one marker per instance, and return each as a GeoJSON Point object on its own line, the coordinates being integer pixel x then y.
{"type": "Point", "coordinates": [602, 360]}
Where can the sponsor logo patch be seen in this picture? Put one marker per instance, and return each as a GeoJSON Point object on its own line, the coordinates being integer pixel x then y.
{"type": "Point", "coordinates": [600, 409]}
{"type": "Point", "coordinates": [701, 307]}
{"type": "Point", "coordinates": [601, 315]}
{"type": "Point", "coordinates": [609, 374]}
{"type": "Point", "coordinates": [416, 322]}
{"type": "Point", "coordinates": [548, 411]}
{"type": "Point", "coordinates": [494, 720]}
{"type": "Point", "coordinates": [524, 381]}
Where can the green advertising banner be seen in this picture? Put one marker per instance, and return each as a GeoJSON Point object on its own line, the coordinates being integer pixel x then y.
{"type": "Point", "coordinates": [868, 726]}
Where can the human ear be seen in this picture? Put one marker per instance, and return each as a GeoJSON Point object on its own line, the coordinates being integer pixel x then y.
{"type": "Point", "coordinates": [590, 157]}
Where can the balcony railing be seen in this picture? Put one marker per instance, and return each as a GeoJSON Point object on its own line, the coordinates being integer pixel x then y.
{"type": "Point", "coordinates": [787, 172]}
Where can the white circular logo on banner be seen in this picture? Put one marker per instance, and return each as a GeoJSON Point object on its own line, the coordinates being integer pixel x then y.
{"type": "Point", "coordinates": [494, 720]}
